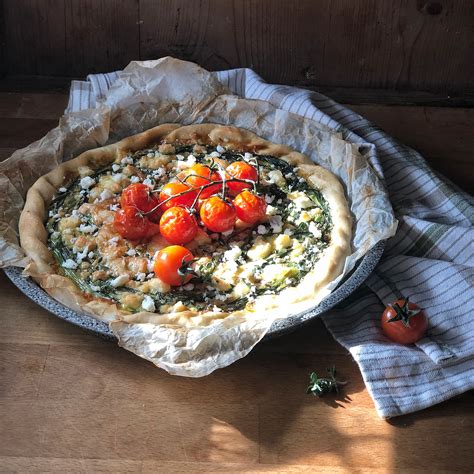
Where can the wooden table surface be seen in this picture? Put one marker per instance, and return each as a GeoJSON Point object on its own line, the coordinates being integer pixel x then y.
{"type": "Point", "coordinates": [70, 401]}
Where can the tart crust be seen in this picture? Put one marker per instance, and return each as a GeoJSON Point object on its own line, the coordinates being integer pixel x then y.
{"type": "Point", "coordinates": [43, 268]}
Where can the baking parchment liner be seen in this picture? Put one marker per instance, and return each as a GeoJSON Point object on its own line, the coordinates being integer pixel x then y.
{"type": "Point", "coordinates": [150, 93]}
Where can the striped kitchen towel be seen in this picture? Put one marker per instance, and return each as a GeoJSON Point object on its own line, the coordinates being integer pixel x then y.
{"type": "Point", "coordinates": [430, 259]}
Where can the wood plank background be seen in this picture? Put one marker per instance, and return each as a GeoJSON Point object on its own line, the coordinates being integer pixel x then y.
{"type": "Point", "coordinates": [417, 45]}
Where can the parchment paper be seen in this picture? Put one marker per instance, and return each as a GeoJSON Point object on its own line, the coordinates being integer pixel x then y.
{"type": "Point", "coordinates": [169, 90]}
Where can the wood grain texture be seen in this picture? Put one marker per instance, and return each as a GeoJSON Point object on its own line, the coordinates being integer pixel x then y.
{"type": "Point", "coordinates": [100, 35]}
{"type": "Point", "coordinates": [416, 45]}
{"type": "Point", "coordinates": [72, 402]}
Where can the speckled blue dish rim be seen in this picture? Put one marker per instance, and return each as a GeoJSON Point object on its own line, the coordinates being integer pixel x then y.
{"type": "Point", "coordinates": [282, 326]}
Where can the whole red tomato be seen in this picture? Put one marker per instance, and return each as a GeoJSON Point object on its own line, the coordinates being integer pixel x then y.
{"type": "Point", "coordinates": [178, 226]}
{"type": "Point", "coordinates": [131, 224]}
{"type": "Point", "coordinates": [241, 170]}
{"type": "Point", "coordinates": [217, 214]}
{"type": "Point", "coordinates": [404, 322]}
{"type": "Point", "coordinates": [249, 207]}
{"type": "Point", "coordinates": [172, 265]}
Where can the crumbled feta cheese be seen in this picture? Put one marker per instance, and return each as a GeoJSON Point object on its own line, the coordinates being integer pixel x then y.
{"type": "Point", "coordinates": [114, 207]}
{"type": "Point", "coordinates": [233, 253]}
{"type": "Point", "coordinates": [141, 276]}
{"type": "Point", "coordinates": [55, 235]}
{"type": "Point", "coordinates": [150, 155]}
{"type": "Point", "coordinates": [313, 228]}
{"type": "Point", "coordinates": [288, 232]}
{"type": "Point", "coordinates": [159, 172]}
{"type": "Point", "coordinates": [87, 182]}
{"type": "Point", "coordinates": [269, 198]}
{"type": "Point", "coordinates": [191, 160]}
{"type": "Point", "coordinates": [148, 304]}
{"type": "Point", "coordinates": [248, 156]}
{"type": "Point", "coordinates": [276, 177]}
{"type": "Point", "coordinates": [220, 149]}
{"type": "Point", "coordinates": [90, 255]}
{"type": "Point", "coordinates": [261, 229]}
{"type": "Point", "coordinates": [117, 177]}
{"type": "Point", "coordinates": [95, 288]}
{"type": "Point", "coordinates": [87, 229]}
{"type": "Point", "coordinates": [82, 255]}
{"type": "Point", "coordinates": [128, 160]}
{"type": "Point", "coordinates": [216, 309]}
{"type": "Point", "coordinates": [135, 179]}
{"type": "Point", "coordinates": [215, 154]}
{"type": "Point", "coordinates": [71, 264]}
{"type": "Point", "coordinates": [62, 189]}
{"type": "Point", "coordinates": [179, 157]}
{"type": "Point", "coordinates": [150, 276]}
{"type": "Point", "coordinates": [300, 200]}
{"type": "Point", "coordinates": [115, 167]}
{"type": "Point", "coordinates": [113, 241]}
{"type": "Point", "coordinates": [149, 265]}
{"type": "Point", "coordinates": [221, 297]}
{"type": "Point", "coordinates": [276, 224]}
{"type": "Point", "coordinates": [119, 281]}
{"type": "Point", "coordinates": [188, 287]}
{"type": "Point", "coordinates": [106, 194]}
{"type": "Point", "coordinates": [271, 210]}
{"type": "Point", "coordinates": [148, 182]}
{"type": "Point", "coordinates": [131, 252]}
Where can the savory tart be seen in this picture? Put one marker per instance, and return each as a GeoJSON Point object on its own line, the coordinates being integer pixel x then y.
{"type": "Point", "coordinates": [194, 222]}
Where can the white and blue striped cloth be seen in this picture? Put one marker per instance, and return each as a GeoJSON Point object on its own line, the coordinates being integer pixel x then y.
{"type": "Point", "coordinates": [430, 259]}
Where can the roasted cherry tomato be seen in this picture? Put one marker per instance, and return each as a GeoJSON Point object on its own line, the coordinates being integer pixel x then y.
{"type": "Point", "coordinates": [218, 215]}
{"type": "Point", "coordinates": [404, 322]}
{"type": "Point", "coordinates": [199, 175]}
{"type": "Point", "coordinates": [172, 189]}
{"type": "Point", "coordinates": [172, 265]}
{"type": "Point", "coordinates": [178, 226]}
{"type": "Point", "coordinates": [249, 207]}
{"type": "Point", "coordinates": [131, 224]}
{"type": "Point", "coordinates": [138, 195]}
{"type": "Point", "coordinates": [241, 170]}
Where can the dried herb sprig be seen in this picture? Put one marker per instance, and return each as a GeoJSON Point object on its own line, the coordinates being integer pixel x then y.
{"type": "Point", "coordinates": [320, 386]}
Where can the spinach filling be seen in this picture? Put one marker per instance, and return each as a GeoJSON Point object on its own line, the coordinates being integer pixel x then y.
{"type": "Point", "coordinates": [311, 236]}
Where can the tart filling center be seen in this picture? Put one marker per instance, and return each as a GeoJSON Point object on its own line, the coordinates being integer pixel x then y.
{"type": "Point", "coordinates": [229, 269]}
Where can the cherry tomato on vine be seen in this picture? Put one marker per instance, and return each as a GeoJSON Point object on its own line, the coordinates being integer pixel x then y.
{"type": "Point", "coordinates": [404, 322]}
{"type": "Point", "coordinates": [217, 214]}
{"type": "Point", "coordinates": [178, 226]}
{"type": "Point", "coordinates": [172, 189]}
{"type": "Point", "coordinates": [249, 207]}
{"type": "Point", "coordinates": [138, 195]}
{"type": "Point", "coordinates": [241, 170]}
{"type": "Point", "coordinates": [172, 265]}
{"type": "Point", "coordinates": [199, 175]}
{"type": "Point", "coordinates": [131, 224]}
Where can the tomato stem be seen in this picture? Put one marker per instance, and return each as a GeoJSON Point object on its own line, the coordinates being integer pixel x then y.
{"type": "Point", "coordinates": [404, 313]}
{"type": "Point", "coordinates": [200, 188]}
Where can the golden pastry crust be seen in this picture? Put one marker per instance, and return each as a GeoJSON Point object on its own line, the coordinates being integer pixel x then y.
{"type": "Point", "coordinates": [43, 268]}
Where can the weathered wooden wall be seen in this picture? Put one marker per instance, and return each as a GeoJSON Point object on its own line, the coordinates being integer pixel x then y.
{"type": "Point", "coordinates": [420, 45]}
